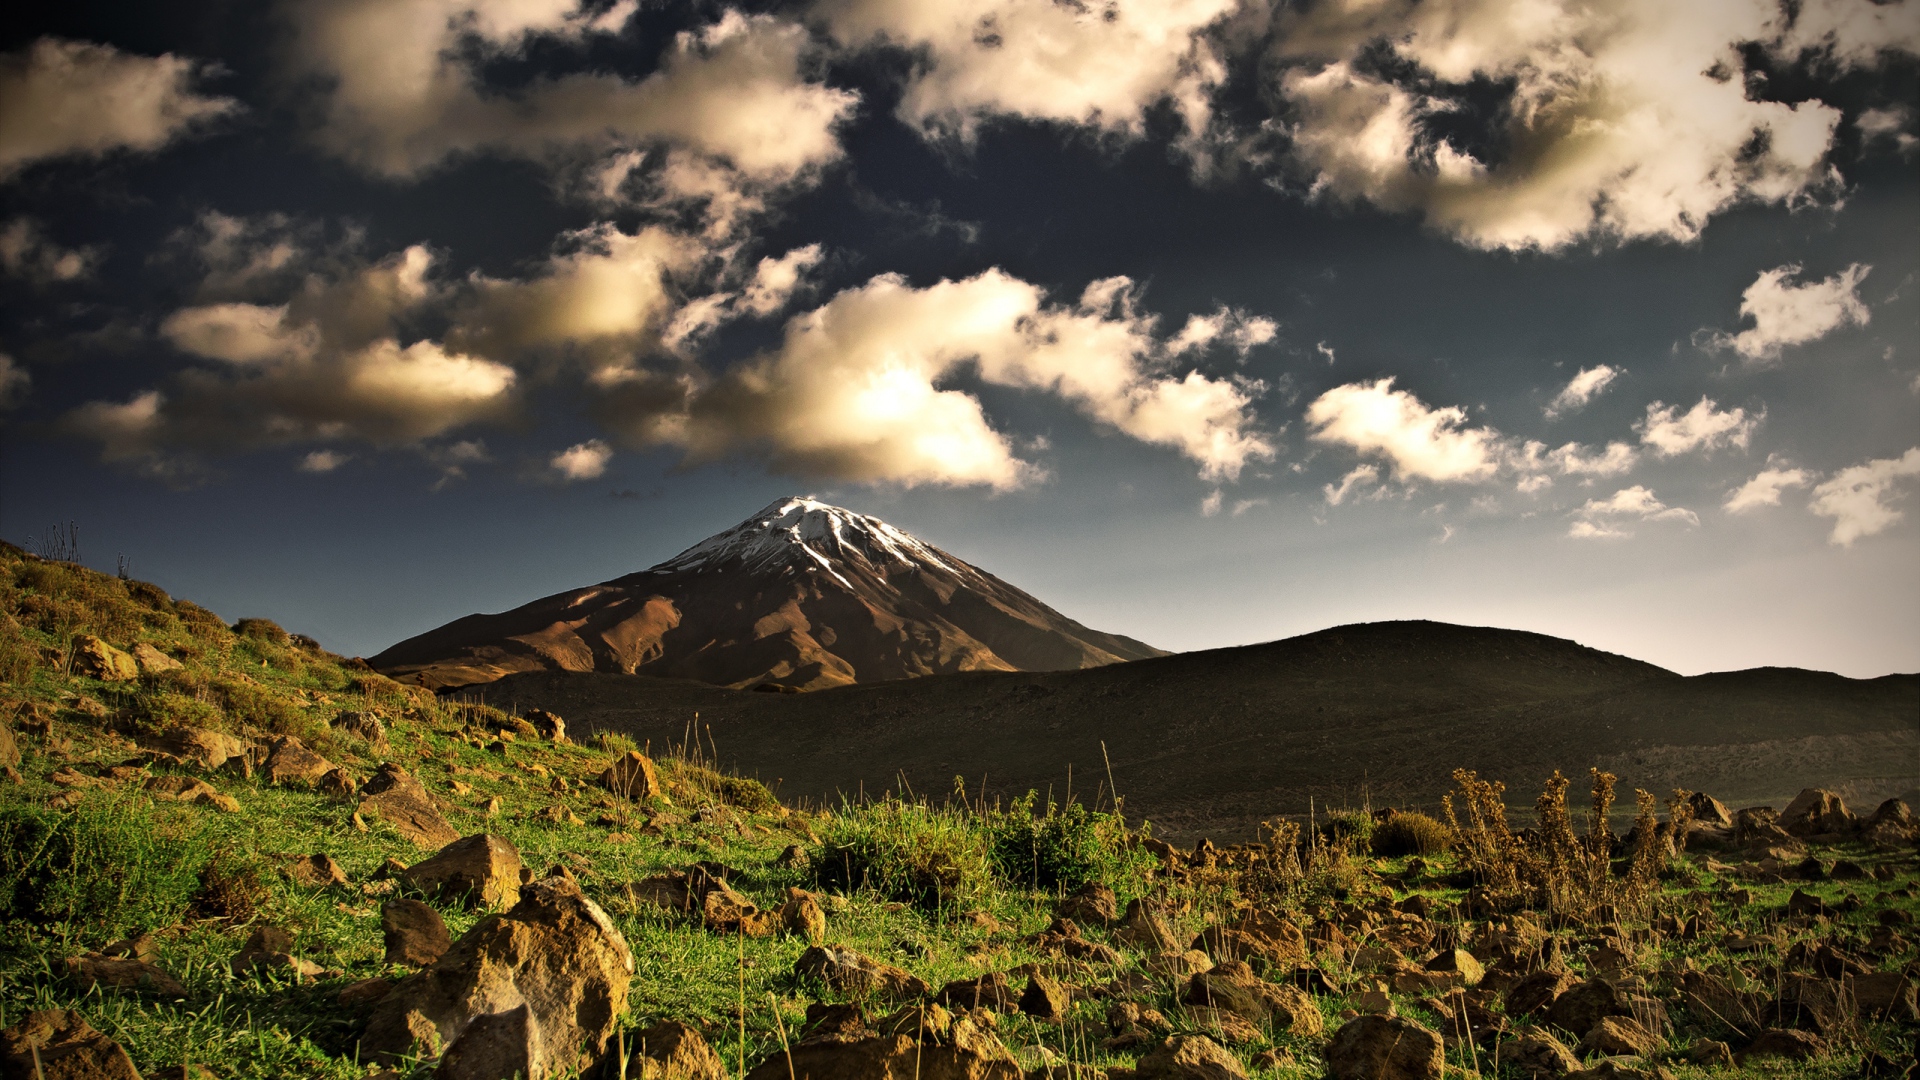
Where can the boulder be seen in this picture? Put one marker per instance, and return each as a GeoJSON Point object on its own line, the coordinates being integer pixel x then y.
{"type": "Point", "coordinates": [1710, 998]}
{"type": "Point", "coordinates": [1616, 1035]}
{"type": "Point", "coordinates": [1584, 1005]}
{"type": "Point", "coordinates": [992, 991]}
{"type": "Point", "coordinates": [1045, 999]}
{"type": "Point", "coordinates": [632, 776]}
{"type": "Point", "coordinates": [1460, 962]}
{"type": "Point", "coordinates": [1537, 1054]}
{"type": "Point", "coordinates": [1093, 904]}
{"type": "Point", "coordinates": [1255, 933]}
{"type": "Point", "coordinates": [415, 934]}
{"type": "Point", "coordinates": [1709, 810]}
{"type": "Point", "coordinates": [1809, 1003]}
{"type": "Point", "coordinates": [95, 659]}
{"type": "Point", "coordinates": [1884, 995]}
{"type": "Point", "coordinates": [1791, 1044]}
{"type": "Point", "coordinates": [1190, 1057]}
{"type": "Point", "coordinates": [940, 1047]}
{"type": "Point", "coordinates": [188, 789]}
{"type": "Point", "coordinates": [1384, 1048]}
{"type": "Point", "coordinates": [59, 1044]}
{"type": "Point", "coordinates": [1816, 812]}
{"type": "Point", "coordinates": [670, 1050]}
{"type": "Point", "coordinates": [152, 661]}
{"type": "Point", "coordinates": [548, 726]}
{"type": "Point", "coordinates": [803, 917]}
{"type": "Point", "coordinates": [316, 871]}
{"type": "Point", "coordinates": [393, 795]}
{"type": "Point", "coordinates": [1143, 929]}
{"type": "Point", "coordinates": [1535, 992]}
{"type": "Point", "coordinates": [848, 972]}
{"type": "Point", "coordinates": [122, 973]}
{"type": "Point", "coordinates": [198, 746]}
{"type": "Point", "coordinates": [364, 725]}
{"type": "Point", "coordinates": [338, 783]}
{"type": "Point", "coordinates": [290, 762]}
{"type": "Point", "coordinates": [537, 989]}
{"type": "Point", "coordinates": [270, 948]}
{"type": "Point", "coordinates": [480, 870]}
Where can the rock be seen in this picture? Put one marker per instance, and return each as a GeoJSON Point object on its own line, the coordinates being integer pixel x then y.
{"type": "Point", "coordinates": [1584, 1005]}
{"type": "Point", "coordinates": [271, 948]}
{"type": "Point", "coordinates": [1226, 1027]}
{"type": "Point", "coordinates": [1062, 936]}
{"type": "Point", "coordinates": [1384, 1048]}
{"type": "Point", "coordinates": [1816, 812]}
{"type": "Point", "coordinates": [671, 1050]}
{"type": "Point", "coordinates": [336, 782]}
{"type": "Point", "coordinates": [393, 795]}
{"type": "Point", "coordinates": [548, 726]}
{"type": "Point", "coordinates": [991, 991]}
{"type": "Point", "coordinates": [948, 1048]}
{"type": "Point", "coordinates": [1212, 991]}
{"type": "Point", "coordinates": [9, 749]}
{"type": "Point", "coordinates": [632, 776]}
{"type": "Point", "coordinates": [415, 933]}
{"type": "Point", "coordinates": [1711, 998]}
{"type": "Point", "coordinates": [1709, 810]}
{"type": "Point", "coordinates": [1710, 1054]}
{"type": "Point", "coordinates": [1141, 928]}
{"type": "Point", "coordinates": [1045, 999]}
{"type": "Point", "coordinates": [58, 1044]}
{"type": "Point", "coordinates": [848, 972]}
{"type": "Point", "coordinates": [366, 726]}
{"type": "Point", "coordinates": [152, 661]}
{"type": "Point", "coordinates": [803, 917]}
{"type": "Point", "coordinates": [1094, 904]}
{"type": "Point", "coordinates": [365, 992]}
{"type": "Point", "coordinates": [1461, 962]}
{"type": "Point", "coordinates": [122, 973]}
{"type": "Point", "coordinates": [316, 871]}
{"type": "Point", "coordinates": [95, 659]}
{"type": "Point", "coordinates": [479, 870]}
{"type": "Point", "coordinates": [1537, 1053]}
{"type": "Point", "coordinates": [187, 789]}
{"type": "Point", "coordinates": [792, 857]}
{"type": "Point", "coordinates": [198, 746]}
{"type": "Point", "coordinates": [1790, 1044]}
{"type": "Point", "coordinates": [538, 988]}
{"type": "Point", "coordinates": [1190, 1057]}
{"type": "Point", "coordinates": [1616, 1035]}
{"type": "Point", "coordinates": [1535, 992]}
{"type": "Point", "coordinates": [1884, 995]}
{"type": "Point", "coordinates": [290, 762]}
{"type": "Point", "coordinates": [1256, 933]}
{"type": "Point", "coordinates": [1807, 1002]}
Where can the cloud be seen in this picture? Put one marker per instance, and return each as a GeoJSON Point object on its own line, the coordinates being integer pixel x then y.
{"type": "Point", "coordinates": [1360, 476]}
{"type": "Point", "coordinates": [855, 390]}
{"type": "Point", "coordinates": [1599, 518]}
{"type": "Point", "coordinates": [1584, 387]}
{"type": "Point", "coordinates": [124, 429]}
{"type": "Point", "coordinates": [1573, 459]}
{"type": "Point", "coordinates": [26, 253]}
{"type": "Point", "coordinates": [1857, 497]}
{"type": "Point", "coordinates": [1101, 65]}
{"type": "Point", "coordinates": [1702, 427]}
{"type": "Point", "coordinates": [407, 93]}
{"type": "Point", "coordinates": [14, 382]}
{"type": "Point", "coordinates": [581, 461]}
{"type": "Point", "coordinates": [1765, 489]}
{"type": "Point", "coordinates": [1241, 506]}
{"type": "Point", "coordinates": [1852, 32]}
{"type": "Point", "coordinates": [1210, 506]}
{"type": "Point", "coordinates": [240, 333]}
{"type": "Point", "coordinates": [323, 461]}
{"type": "Point", "coordinates": [775, 280]}
{"type": "Point", "coordinates": [1237, 329]}
{"type": "Point", "coordinates": [1890, 124]}
{"type": "Point", "coordinates": [252, 257]}
{"type": "Point", "coordinates": [1421, 443]}
{"type": "Point", "coordinates": [1614, 122]}
{"type": "Point", "coordinates": [1784, 313]}
{"type": "Point", "coordinates": [64, 98]}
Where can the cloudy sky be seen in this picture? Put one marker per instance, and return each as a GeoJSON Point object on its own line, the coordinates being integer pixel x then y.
{"type": "Point", "coordinates": [1207, 321]}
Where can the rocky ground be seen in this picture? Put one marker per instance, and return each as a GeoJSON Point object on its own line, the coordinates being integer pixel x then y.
{"type": "Point", "coordinates": [224, 852]}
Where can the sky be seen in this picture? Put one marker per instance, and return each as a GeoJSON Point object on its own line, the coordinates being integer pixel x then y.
{"type": "Point", "coordinates": [1205, 321]}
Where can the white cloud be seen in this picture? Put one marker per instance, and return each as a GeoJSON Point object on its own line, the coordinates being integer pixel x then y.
{"type": "Point", "coordinates": [581, 461]}
{"type": "Point", "coordinates": [63, 98]}
{"type": "Point", "coordinates": [1241, 506]}
{"type": "Point", "coordinates": [324, 461]}
{"type": "Point", "coordinates": [1240, 331]}
{"type": "Point", "coordinates": [1421, 443]}
{"type": "Point", "coordinates": [14, 382]}
{"type": "Point", "coordinates": [1785, 313]}
{"type": "Point", "coordinates": [240, 333]}
{"type": "Point", "coordinates": [1210, 506]}
{"type": "Point", "coordinates": [1857, 498]}
{"type": "Point", "coordinates": [1765, 488]}
{"type": "Point", "coordinates": [124, 430]}
{"type": "Point", "coordinates": [1358, 477]}
{"type": "Point", "coordinates": [1582, 388]}
{"type": "Point", "coordinates": [854, 390]}
{"type": "Point", "coordinates": [26, 253]}
{"type": "Point", "coordinates": [1620, 121]}
{"type": "Point", "coordinates": [1573, 459]}
{"type": "Point", "coordinates": [249, 258]}
{"type": "Point", "coordinates": [775, 280]}
{"type": "Point", "coordinates": [1853, 32]}
{"type": "Point", "coordinates": [1890, 124]}
{"type": "Point", "coordinates": [1599, 517]}
{"type": "Point", "coordinates": [1096, 64]}
{"type": "Point", "coordinates": [1702, 427]}
{"type": "Point", "coordinates": [406, 95]}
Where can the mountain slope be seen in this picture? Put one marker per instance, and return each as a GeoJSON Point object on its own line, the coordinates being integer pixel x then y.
{"type": "Point", "coordinates": [1214, 742]}
{"type": "Point", "coordinates": [801, 595]}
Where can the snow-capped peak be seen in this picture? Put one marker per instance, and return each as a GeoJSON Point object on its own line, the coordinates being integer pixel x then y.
{"type": "Point", "coordinates": [804, 531]}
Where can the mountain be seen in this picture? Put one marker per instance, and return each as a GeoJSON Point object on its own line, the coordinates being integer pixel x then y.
{"type": "Point", "coordinates": [1212, 743]}
{"type": "Point", "coordinates": [802, 595]}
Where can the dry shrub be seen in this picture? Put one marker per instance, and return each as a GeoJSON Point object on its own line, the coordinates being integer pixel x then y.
{"type": "Point", "coordinates": [201, 623]}
{"type": "Point", "coordinates": [1411, 833]}
{"type": "Point", "coordinates": [262, 630]}
{"type": "Point", "coordinates": [230, 889]}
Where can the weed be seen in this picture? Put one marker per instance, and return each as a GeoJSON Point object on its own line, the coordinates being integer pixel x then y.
{"type": "Point", "coordinates": [1063, 848]}
{"type": "Point", "coordinates": [934, 858]}
{"type": "Point", "coordinates": [113, 861]}
{"type": "Point", "coordinates": [1410, 833]}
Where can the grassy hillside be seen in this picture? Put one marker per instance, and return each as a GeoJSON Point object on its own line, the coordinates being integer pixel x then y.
{"type": "Point", "coordinates": [92, 853]}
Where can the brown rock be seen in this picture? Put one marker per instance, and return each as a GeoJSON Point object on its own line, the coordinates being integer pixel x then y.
{"type": "Point", "coordinates": [9, 749]}
{"type": "Point", "coordinates": [316, 871]}
{"type": "Point", "coordinates": [290, 762]}
{"type": "Point", "coordinates": [481, 870]}
{"type": "Point", "coordinates": [1460, 962]}
{"type": "Point", "coordinates": [95, 659]}
{"type": "Point", "coordinates": [1710, 997]}
{"type": "Point", "coordinates": [365, 992]}
{"type": "Point", "coordinates": [1093, 904]}
{"type": "Point", "coordinates": [1216, 990]}
{"type": "Point", "coordinates": [58, 1044]}
{"type": "Point", "coordinates": [1816, 812]}
{"type": "Point", "coordinates": [803, 917]}
{"type": "Point", "coordinates": [1190, 1057]}
{"type": "Point", "coordinates": [364, 725]}
{"type": "Point", "coordinates": [1384, 1048]}
{"type": "Point", "coordinates": [152, 661]}
{"type": "Point", "coordinates": [1617, 1035]}
{"type": "Point", "coordinates": [548, 726]}
{"type": "Point", "coordinates": [1535, 992]}
{"type": "Point", "coordinates": [271, 948]}
{"type": "Point", "coordinates": [1584, 1005]}
{"type": "Point", "coordinates": [1537, 1053]}
{"type": "Point", "coordinates": [128, 973]}
{"type": "Point", "coordinates": [198, 746]}
{"type": "Point", "coordinates": [1710, 1053]}
{"type": "Point", "coordinates": [1621, 1069]}
{"type": "Point", "coordinates": [671, 1050]}
{"type": "Point", "coordinates": [848, 972]}
{"type": "Point", "coordinates": [959, 1050]}
{"type": "Point", "coordinates": [415, 933]}
{"type": "Point", "coordinates": [991, 991]}
{"type": "Point", "coordinates": [1790, 1044]}
{"type": "Point", "coordinates": [188, 789]}
{"type": "Point", "coordinates": [1045, 999]}
{"type": "Point", "coordinates": [1256, 933]}
{"type": "Point", "coordinates": [1884, 995]}
{"type": "Point", "coordinates": [1709, 810]}
{"type": "Point", "coordinates": [632, 776]}
{"type": "Point", "coordinates": [538, 989]}
{"type": "Point", "coordinates": [1141, 928]}
{"type": "Point", "coordinates": [393, 795]}
{"type": "Point", "coordinates": [1806, 1002]}
{"type": "Point", "coordinates": [338, 783]}
{"type": "Point", "coordinates": [185, 1072]}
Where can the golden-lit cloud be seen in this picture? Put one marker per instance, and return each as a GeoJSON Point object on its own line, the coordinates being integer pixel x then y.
{"type": "Point", "coordinates": [73, 98]}
{"type": "Point", "coordinates": [1419, 442]}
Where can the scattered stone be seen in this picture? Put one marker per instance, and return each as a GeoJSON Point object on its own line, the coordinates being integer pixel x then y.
{"type": "Point", "coordinates": [393, 795]}
{"type": "Point", "coordinates": [992, 991]}
{"type": "Point", "coordinates": [548, 726]}
{"type": "Point", "coordinates": [1791, 1044]}
{"type": "Point", "coordinates": [415, 934]}
{"type": "Point", "coordinates": [1584, 1005]}
{"type": "Point", "coordinates": [1190, 1057]}
{"type": "Point", "coordinates": [1618, 1035]}
{"type": "Point", "coordinates": [59, 1044]}
{"type": "Point", "coordinates": [1045, 999]}
{"type": "Point", "coordinates": [947, 1048]}
{"type": "Point", "coordinates": [1710, 1054]}
{"type": "Point", "coordinates": [95, 659]}
{"type": "Point", "coordinates": [1256, 933]}
{"type": "Point", "coordinates": [1062, 936]}
{"type": "Point", "coordinates": [632, 776]}
{"type": "Point", "coordinates": [1709, 810]}
{"type": "Point", "coordinates": [671, 1050]}
{"type": "Point", "coordinates": [271, 948]}
{"type": "Point", "coordinates": [1094, 904]}
{"type": "Point", "coordinates": [479, 870]}
{"type": "Point", "coordinates": [152, 661]}
{"type": "Point", "coordinates": [792, 857]}
{"type": "Point", "coordinates": [803, 917]}
{"type": "Point", "coordinates": [1621, 1069]}
{"type": "Point", "coordinates": [366, 991]}
{"type": "Point", "coordinates": [1538, 1054]}
{"type": "Point", "coordinates": [188, 789]}
{"type": "Point", "coordinates": [1535, 992]}
{"type": "Point", "coordinates": [122, 973]}
{"type": "Point", "coordinates": [364, 725]}
{"type": "Point", "coordinates": [1806, 1002]}
{"type": "Point", "coordinates": [1460, 962]}
{"type": "Point", "coordinates": [537, 989]}
{"type": "Point", "coordinates": [316, 871]}
{"type": "Point", "coordinates": [290, 762]}
{"type": "Point", "coordinates": [1884, 995]}
{"type": "Point", "coordinates": [1384, 1048]}
{"type": "Point", "coordinates": [1816, 812]}
{"type": "Point", "coordinates": [849, 972]}
{"type": "Point", "coordinates": [338, 783]}
{"type": "Point", "coordinates": [1141, 928]}
{"type": "Point", "coordinates": [206, 749]}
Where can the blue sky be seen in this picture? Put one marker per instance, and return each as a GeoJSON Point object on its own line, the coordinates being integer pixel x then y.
{"type": "Point", "coordinates": [1208, 322]}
